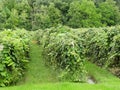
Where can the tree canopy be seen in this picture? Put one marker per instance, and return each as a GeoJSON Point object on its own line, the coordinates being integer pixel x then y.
{"type": "Point", "coordinates": [41, 14]}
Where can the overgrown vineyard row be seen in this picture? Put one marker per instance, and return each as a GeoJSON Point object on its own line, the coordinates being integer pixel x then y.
{"type": "Point", "coordinates": [14, 51]}
{"type": "Point", "coordinates": [67, 49]}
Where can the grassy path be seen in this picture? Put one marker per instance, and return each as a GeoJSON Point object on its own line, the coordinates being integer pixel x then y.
{"type": "Point", "coordinates": [37, 71]}
{"type": "Point", "coordinates": [101, 75]}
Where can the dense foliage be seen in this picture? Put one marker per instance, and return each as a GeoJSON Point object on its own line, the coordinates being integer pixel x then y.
{"type": "Point", "coordinates": [64, 48]}
{"type": "Point", "coordinates": [14, 13]}
{"type": "Point", "coordinates": [81, 16]}
{"type": "Point", "coordinates": [13, 55]}
{"type": "Point", "coordinates": [39, 14]}
{"type": "Point", "coordinates": [64, 51]}
{"type": "Point", "coordinates": [67, 49]}
{"type": "Point", "coordinates": [102, 45]}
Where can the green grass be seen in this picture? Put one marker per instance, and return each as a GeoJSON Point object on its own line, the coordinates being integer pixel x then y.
{"type": "Point", "coordinates": [37, 71]}
{"type": "Point", "coordinates": [65, 86]}
{"type": "Point", "coordinates": [101, 75]}
{"type": "Point", "coordinates": [40, 77]}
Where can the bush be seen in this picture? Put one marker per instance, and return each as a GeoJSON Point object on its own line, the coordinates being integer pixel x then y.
{"type": "Point", "coordinates": [96, 45]}
{"type": "Point", "coordinates": [13, 56]}
{"type": "Point", "coordinates": [64, 51]}
{"type": "Point", "coordinates": [101, 45]}
{"type": "Point", "coordinates": [113, 49]}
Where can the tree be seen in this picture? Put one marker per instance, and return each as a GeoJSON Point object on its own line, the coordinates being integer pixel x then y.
{"type": "Point", "coordinates": [54, 14]}
{"type": "Point", "coordinates": [14, 13]}
{"type": "Point", "coordinates": [118, 3]}
{"type": "Point", "coordinates": [110, 13]}
{"type": "Point", "coordinates": [83, 14]}
{"type": "Point", "coordinates": [63, 7]}
{"type": "Point", "coordinates": [42, 19]}
{"type": "Point", "coordinates": [97, 2]}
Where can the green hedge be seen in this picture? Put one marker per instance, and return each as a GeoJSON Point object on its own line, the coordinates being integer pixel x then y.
{"type": "Point", "coordinates": [13, 55]}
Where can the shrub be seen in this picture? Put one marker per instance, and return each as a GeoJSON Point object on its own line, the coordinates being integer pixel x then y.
{"type": "Point", "coordinates": [14, 56]}
{"type": "Point", "coordinates": [64, 51]}
{"type": "Point", "coordinates": [101, 45]}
